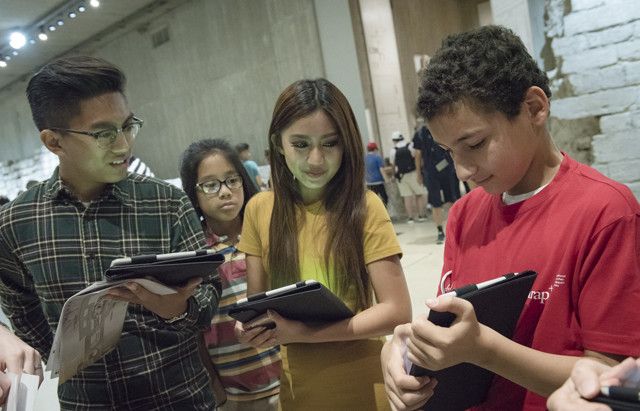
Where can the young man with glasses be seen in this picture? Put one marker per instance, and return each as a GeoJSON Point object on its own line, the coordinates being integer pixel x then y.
{"type": "Point", "coordinates": [61, 235]}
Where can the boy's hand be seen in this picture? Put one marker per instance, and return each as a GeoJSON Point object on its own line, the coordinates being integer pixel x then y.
{"type": "Point", "coordinates": [165, 306]}
{"type": "Point", "coordinates": [586, 379]}
{"type": "Point", "coordinates": [17, 357]}
{"type": "Point", "coordinates": [405, 392]}
{"type": "Point", "coordinates": [5, 385]}
{"type": "Point", "coordinates": [434, 347]}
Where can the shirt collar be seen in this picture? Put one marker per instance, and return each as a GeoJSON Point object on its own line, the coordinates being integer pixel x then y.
{"type": "Point", "coordinates": [55, 188]}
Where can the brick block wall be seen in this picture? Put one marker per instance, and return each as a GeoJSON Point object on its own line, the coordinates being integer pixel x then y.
{"type": "Point", "coordinates": [595, 72]}
{"type": "Point", "coordinates": [14, 175]}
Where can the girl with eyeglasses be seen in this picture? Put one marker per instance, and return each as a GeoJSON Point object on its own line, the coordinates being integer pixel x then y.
{"type": "Point", "coordinates": [320, 223]}
{"type": "Point", "coordinates": [219, 187]}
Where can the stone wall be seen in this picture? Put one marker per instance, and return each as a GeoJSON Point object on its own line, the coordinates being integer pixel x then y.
{"type": "Point", "coordinates": [14, 174]}
{"type": "Point", "coordinates": [593, 59]}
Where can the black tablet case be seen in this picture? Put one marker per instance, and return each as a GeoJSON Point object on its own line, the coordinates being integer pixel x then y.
{"type": "Point", "coordinates": [617, 405]}
{"type": "Point", "coordinates": [309, 303]}
{"type": "Point", "coordinates": [498, 307]}
{"type": "Point", "coordinates": [171, 272]}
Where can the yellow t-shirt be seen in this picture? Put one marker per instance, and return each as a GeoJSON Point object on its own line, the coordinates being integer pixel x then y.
{"type": "Point", "coordinates": [344, 375]}
{"type": "Point", "coordinates": [379, 236]}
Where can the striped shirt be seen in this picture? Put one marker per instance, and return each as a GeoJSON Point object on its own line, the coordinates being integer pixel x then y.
{"type": "Point", "coordinates": [246, 373]}
{"type": "Point", "coordinates": [137, 166]}
{"type": "Point", "coordinates": [52, 246]}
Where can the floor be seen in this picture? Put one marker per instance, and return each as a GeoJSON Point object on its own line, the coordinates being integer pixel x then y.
{"type": "Point", "coordinates": [422, 262]}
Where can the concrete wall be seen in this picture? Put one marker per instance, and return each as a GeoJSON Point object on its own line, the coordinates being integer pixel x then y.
{"type": "Point", "coordinates": [595, 55]}
{"type": "Point", "coordinates": [218, 76]}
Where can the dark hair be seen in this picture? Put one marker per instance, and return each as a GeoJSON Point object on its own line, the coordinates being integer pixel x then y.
{"type": "Point", "coordinates": [344, 195]}
{"type": "Point", "coordinates": [198, 151]}
{"type": "Point", "coordinates": [240, 147]}
{"type": "Point", "coordinates": [55, 92]}
{"type": "Point", "coordinates": [488, 67]}
{"type": "Point", "coordinates": [4, 200]}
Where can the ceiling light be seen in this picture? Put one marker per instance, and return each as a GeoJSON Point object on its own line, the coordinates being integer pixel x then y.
{"type": "Point", "coordinates": [94, 3]}
{"type": "Point", "coordinates": [15, 52]}
{"type": "Point", "coordinates": [52, 28]}
{"type": "Point", "coordinates": [42, 35]}
{"type": "Point", "coordinates": [3, 63]}
{"type": "Point", "coordinates": [17, 40]}
{"type": "Point", "coordinates": [60, 22]}
{"type": "Point", "coordinates": [82, 8]}
{"type": "Point", "coordinates": [72, 14]}
{"type": "Point", "coordinates": [7, 58]}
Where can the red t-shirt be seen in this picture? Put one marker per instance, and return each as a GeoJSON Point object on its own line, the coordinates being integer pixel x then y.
{"type": "Point", "coordinates": [581, 234]}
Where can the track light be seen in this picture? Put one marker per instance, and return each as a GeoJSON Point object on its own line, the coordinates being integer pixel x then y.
{"type": "Point", "coordinates": [94, 3]}
{"type": "Point", "coordinates": [82, 8]}
{"type": "Point", "coordinates": [72, 15]}
{"type": "Point", "coordinates": [17, 40]}
{"type": "Point", "coordinates": [3, 63]}
{"type": "Point", "coordinates": [60, 22]}
{"type": "Point", "coordinates": [42, 35]}
{"type": "Point", "coordinates": [52, 28]}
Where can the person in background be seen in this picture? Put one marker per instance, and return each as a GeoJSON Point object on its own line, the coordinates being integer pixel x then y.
{"type": "Point", "coordinates": [436, 170]}
{"type": "Point", "coordinates": [250, 165]}
{"type": "Point", "coordinates": [374, 177]}
{"type": "Point", "coordinates": [90, 212]}
{"type": "Point", "coordinates": [137, 166]}
{"type": "Point", "coordinates": [16, 357]}
{"type": "Point", "coordinates": [219, 188]}
{"type": "Point", "coordinates": [412, 190]}
{"type": "Point", "coordinates": [587, 377]}
{"type": "Point", "coordinates": [486, 101]}
{"type": "Point", "coordinates": [321, 223]}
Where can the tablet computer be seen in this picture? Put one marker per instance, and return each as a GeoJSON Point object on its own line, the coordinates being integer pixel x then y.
{"type": "Point", "coordinates": [497, 304]}
{"type": "Point", "coordinates": [172, 269]}
{"type": "Point", "coordinates": [307, 301]}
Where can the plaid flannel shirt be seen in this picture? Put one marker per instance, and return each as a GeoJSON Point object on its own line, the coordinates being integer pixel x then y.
{"type": "Point", "coordinates": [52, 246]}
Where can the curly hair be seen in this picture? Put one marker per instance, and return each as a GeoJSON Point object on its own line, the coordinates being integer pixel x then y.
{"type": "Point", "coordinates": [488, 67]}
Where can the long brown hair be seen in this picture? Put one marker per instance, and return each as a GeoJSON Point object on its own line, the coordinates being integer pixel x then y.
{"type": "Point", "coordinates": [343, 199]}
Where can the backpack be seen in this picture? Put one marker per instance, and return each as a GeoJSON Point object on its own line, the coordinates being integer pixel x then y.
{"type": "Point", "coordinates": [404, 160]}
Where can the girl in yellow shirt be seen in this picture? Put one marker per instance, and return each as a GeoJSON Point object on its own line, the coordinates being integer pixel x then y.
{"type": "Point", "coordinates": [320, 223]}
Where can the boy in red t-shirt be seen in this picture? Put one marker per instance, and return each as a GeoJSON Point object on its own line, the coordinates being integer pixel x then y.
{"type": "Point", "coordinates": [487, 103]}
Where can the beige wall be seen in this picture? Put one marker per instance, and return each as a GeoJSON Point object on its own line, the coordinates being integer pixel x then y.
{"type": "Point", "coordinates": [218, 76]}
{"type": "Point", "coordinates": [421, 25]}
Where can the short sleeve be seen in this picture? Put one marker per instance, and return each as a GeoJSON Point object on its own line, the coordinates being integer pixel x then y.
{"type": "Point", "coordinates": [380, 239]}
{"type": "Point", "coordinates": [250, 242]}
{"type": "Point", "coordinates": [610, 275]}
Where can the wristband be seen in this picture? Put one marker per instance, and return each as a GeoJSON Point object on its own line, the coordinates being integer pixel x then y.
{"type": "Point", "coordinates": [176, 318]}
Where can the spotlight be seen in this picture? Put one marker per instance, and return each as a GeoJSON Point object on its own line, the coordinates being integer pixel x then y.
{"type": "Point", "coordinates": [72, 14]}
{"type": "Point", "coordinates": [7, 58]}
{"type": "Point", "coordinates": [15, 52]}
{"type": "Point", "coordinates": [60, 22]}
{"type": "Point", "coordinates": [82, 8]}
{"type": "Point", "coordinates": [94, 3]}
{"type": "Point", "coordinates": [17, 40]}
{"type": "Point", "coordinates": [3, 63]}
{"type": "Point", "coordinates": [32, 41]}
{"type": "Point", "coordinates": [42, 35]}
{"type": "Point", "coordinates": [52, 28]}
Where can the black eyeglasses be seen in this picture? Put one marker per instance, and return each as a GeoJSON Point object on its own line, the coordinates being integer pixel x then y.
{"type": "Point", "coordinates": [107, 137]}
{"type": "Point", "coordinates": [214, 186]}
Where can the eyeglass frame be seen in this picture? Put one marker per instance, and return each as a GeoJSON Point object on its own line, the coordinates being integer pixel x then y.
{"type": "Point", "coordinates": [220, 183]}
{"type": "Point", "coordinates": [96, 134]}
